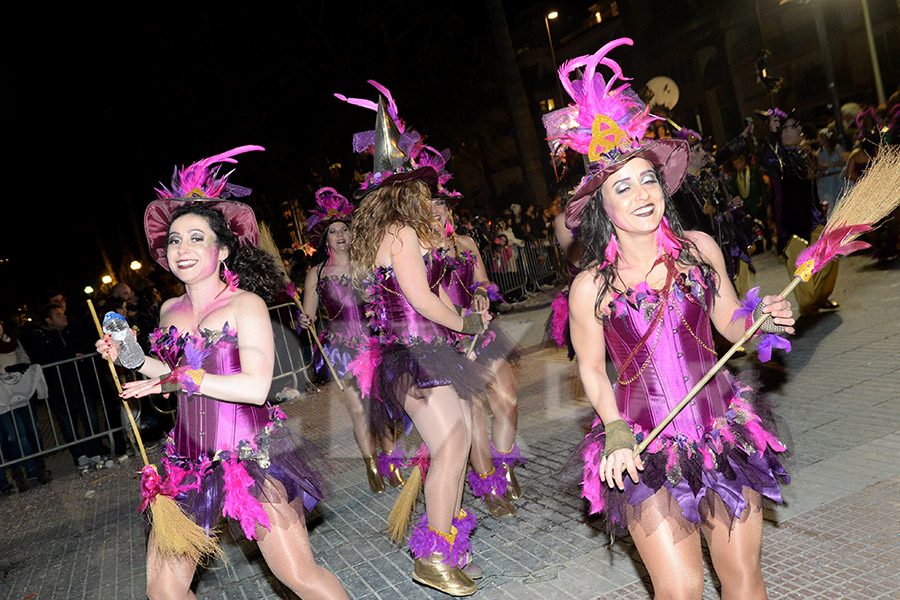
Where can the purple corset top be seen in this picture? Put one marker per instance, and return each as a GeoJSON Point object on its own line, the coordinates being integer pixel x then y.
{"type": "Point", "coordinates": [393, 317]}
{"type": "Point", "coordinates": [677, 352]}
{"type": "Point", "coordinates": [459, 276]}
{"type": "Point", "coordinates": [344, 308]}
{"type": "Point", "coordinates": [204, 425]}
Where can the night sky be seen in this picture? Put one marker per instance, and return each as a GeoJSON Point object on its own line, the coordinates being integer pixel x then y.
{"type": "Point", "coordinates": [104, 103]}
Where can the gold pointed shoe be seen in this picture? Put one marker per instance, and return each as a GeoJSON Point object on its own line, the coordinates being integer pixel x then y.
{"type": "Point", "coordinates": [395, 476]}
{"type": "Point", "coordinates": [434, 572]}
{"type": "Point", "coordinates": [499, 506]}
{"type": "Point", "coordinates": [513, 490]}
{"type": "Point", "coordinates": [376, 483]}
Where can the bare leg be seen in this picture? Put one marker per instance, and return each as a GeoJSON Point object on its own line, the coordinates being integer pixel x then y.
{"type": "Point", "coordinates": [481, 445]}
{"type": "Point", "coordinates": [365, 438]}
{"type": "Point", "coordinates": [168, 578]}
{"type": "Point", "coordinates": [672, 557]}
{"type": "Point", "coordinates": [503, 399]}
{"type": "Point", "coordinates": [446, 427]}
{"type": "Point", "coordinates": [287, 552]}
{"type": "Point", "coordinates": [735, 549]}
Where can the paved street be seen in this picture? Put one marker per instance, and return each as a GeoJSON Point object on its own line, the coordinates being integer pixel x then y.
{"type": "Point", "coordinates": [836, 537]}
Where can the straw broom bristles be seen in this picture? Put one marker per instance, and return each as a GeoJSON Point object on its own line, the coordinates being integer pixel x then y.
{"type": "Point", "coordinates": [398, 519]}
{"type": "Point", "coordinates": [874, 196]}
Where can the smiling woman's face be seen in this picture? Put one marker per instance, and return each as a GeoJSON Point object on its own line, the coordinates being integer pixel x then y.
{"type": "Point", "coordinates": [633, 197]}
{"type": "Point", "coordinates": [192, 251]}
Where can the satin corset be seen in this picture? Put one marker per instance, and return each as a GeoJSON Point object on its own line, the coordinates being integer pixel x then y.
{"type": "Point", "coordinates": [394, 317]}
{"type": "Point", "coordinates": [675, 356]}
{"type": "Point", "coordinates": [458, 276]}
{"type": "Point", "coordinates": [204, 425]}
{"type": "Point", "coordinates": [345, 310]}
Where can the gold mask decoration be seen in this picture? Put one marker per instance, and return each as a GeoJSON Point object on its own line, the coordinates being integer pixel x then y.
{"type": "Point", "coordinates": [606, 135]}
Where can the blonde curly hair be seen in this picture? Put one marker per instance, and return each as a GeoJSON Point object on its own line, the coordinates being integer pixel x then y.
{"type": "Point", "coordinates": [404, 203]}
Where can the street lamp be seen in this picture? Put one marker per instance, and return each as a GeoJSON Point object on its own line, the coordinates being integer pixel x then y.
{"type": "Point", "coordinates": [547, 18]}
{"type": "Point", "coordinates": [135, 265]}
{"type": "Point", "coordinates": [106, 279]}
{"type": "Point", "coordinates": [88, 290]}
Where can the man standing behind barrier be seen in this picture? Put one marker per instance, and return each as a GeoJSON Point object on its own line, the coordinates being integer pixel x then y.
{"type": "Point", "coordinates": [70, 398]}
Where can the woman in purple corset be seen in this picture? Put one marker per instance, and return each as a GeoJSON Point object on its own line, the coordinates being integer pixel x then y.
{"type": "Point", "coordinates": [347, 329]}
{"type": "Point", "coordinates": [492, 477]}
{"type": "Point", "coordinates": [417, 370]}
{"type": "Point", "coordinates": [229, 455]}
{"type": "Point", "coordinates": [649, 294]}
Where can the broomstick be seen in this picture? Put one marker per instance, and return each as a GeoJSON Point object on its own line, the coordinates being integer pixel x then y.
{"type": "Point", "coordinates": [267, 244]}
{"type": "Point", "coordinates": [174, 532]}
{"type": "Point", "coordinates": [870, 201]}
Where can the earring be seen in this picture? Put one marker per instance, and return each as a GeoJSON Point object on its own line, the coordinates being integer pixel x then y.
{"type": "Point", "coordinates": [611, 252]}
{"type": "Point", "coordinates": [231, 278]}
{"type": "Point", "coordinates": [666, 240]}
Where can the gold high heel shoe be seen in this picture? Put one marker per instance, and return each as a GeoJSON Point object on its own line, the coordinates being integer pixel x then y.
{"type": "Point", "coordinates": [395, 476]}
{"type": "Point", "coordinates": [434, 572]}
{"type": "Point", "coordinates": [376, 483]}
{"type": "Point", "coordinates": [513, 490]}
{"type": "Point", "coordinates": [498, 506]}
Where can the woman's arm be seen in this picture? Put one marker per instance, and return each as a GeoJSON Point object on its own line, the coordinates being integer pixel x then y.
{"type": "Point", "coordinates": [727, 301]}
{"type": "Point", "coordinates": [310, 298]}
{"type": "Point", "coordinates": [409, 268]}
{"type": "Point", "coordinates": [587, 339]}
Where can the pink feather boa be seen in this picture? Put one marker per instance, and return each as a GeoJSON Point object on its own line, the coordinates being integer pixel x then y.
{"type": "Point", "coordinates": [239, 503]}
{"type": "Point", "coordinates": [560, 319]}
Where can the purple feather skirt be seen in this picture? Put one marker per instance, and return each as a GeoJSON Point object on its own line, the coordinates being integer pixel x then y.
{"type": "Point", "coordinates": [230, 483]}
{"type": "Point", "coordinates": [739, 450]}
{"type": "Point", "coordinates": [406, 370]}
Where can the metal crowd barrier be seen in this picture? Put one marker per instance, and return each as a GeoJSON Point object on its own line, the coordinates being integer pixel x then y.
{"type": "Point", "coordinates": [523, 270]}
{"type": "Point", "coordinates": [84, 406]}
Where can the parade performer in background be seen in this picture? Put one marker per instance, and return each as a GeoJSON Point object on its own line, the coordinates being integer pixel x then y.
{"type": "Point", "coordinates": [649, 294]}
{"type": "Point", "coordinates": [347, 330]}
{"type": "Point", "coordinates": [417, 370]}
{"type": "Point", "coordinates": [492, 477]}
{"type": "Point", "coordinates": [704, 203]}
{"type": "Point", "coordinates": [229, 454]}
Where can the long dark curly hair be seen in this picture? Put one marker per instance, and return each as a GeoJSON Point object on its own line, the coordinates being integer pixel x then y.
{"type": "Point", "coordinates": [255, 268]}
{"type": "Point", "coordinates": [597, 229]}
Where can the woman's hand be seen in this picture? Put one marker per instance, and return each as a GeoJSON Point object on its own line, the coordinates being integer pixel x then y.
{"type": "Point", "coordinates": [781, 312]}
{"type": "Point", "coordinates": [141, 388]}
{"type": "Point", "coordinates": [480, 303]}
{"type": "Point", "coordinates": [305, 320]}
{"type": "Point", "coordinates": [611, 467]}
{"type": "Point", "coordinates": [107, 347]}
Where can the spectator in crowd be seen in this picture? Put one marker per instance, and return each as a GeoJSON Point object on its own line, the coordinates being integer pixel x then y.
{"type": "Point", "coordinates": [831, 159]}
{"type": "Point", "coordinates": [70, 400]}
{"type": "Point", "coordinates": [19, 383]}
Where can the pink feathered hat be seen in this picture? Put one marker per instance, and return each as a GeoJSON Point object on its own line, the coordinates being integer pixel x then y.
{"type": "Point", "coordinates": [331, 207]}
{"type": "Point", "coordinates": [200, 182]}
{"type": "Point", "coordinates": [607, 126]}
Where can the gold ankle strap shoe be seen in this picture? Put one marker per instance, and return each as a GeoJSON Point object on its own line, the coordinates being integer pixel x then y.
{"type": "Point", "coordinates": [434, 572]}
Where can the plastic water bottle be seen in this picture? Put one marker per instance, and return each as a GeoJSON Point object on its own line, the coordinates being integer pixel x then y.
{"type": "Point", "coordinates": [130, 353]}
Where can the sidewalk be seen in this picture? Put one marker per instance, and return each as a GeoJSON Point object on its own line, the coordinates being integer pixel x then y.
{"type": "Point", "coordinates": [836, 537]}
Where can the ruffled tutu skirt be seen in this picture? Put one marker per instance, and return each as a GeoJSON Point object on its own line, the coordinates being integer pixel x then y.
{"type": "Point", "coordinates": [391, 373]}
{"type": "Point", "coordinates": [493, 345]}
{"type": "Point", "coordinates": [230, 483]}
{"type": "Point", "coordinates": [739, 450]}
{"type": "Point", "coordinates": [340, 355]}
